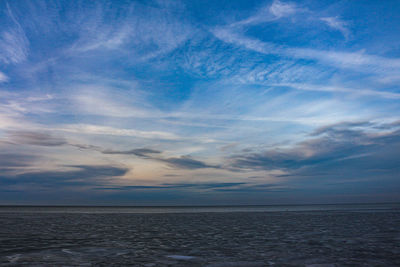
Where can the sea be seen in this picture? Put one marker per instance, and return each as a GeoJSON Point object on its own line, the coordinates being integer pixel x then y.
{"type": "Point", "coordinates": [210, 236]}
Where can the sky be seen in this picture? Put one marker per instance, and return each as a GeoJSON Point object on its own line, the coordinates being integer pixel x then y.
{"type": "Point", "coordinates": [199, 102]}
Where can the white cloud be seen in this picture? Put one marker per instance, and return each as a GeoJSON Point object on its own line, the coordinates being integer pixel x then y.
{"type": "Point", "coordinates": [3, 77]}
{"type": "Point", "coordinates": [283, 71]}
{"type": "Point", "coordinates": [105, 38]}
{"type": "Point", "coordinates": [229, 36]}
{"type": "Point", "coordinates": [100, 100]}
{"type": "Point", "coordinates": [333, 88]}
{"type": "Point", "coordinates": [106, 130]}
{"type": "Point", "coordinates": [270, 13]}
{"type": "Point", "coordinates": [280, 9]}
{"type": "Point", "coordinates": [13, 47]}
{"type": "Point", "coordinates": [13, 41]}
{"type": "Point", "coordinates": [357, 61]}
{"type": "Point", "coordinates": [384, 69]}
{"type": "Point", "coordinates": [337, 24]}
{"type": "Point", "coordinates": [142, 32]}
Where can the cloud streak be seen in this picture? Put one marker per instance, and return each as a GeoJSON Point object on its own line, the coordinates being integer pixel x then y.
{"type": "Point", "coordinates": [335, 146]}
{"type": "Point", "coordinates": [185, 162]}
{"type": "Point", "coordinates": [358, 61]}
{"type": "Point", "coordinates": [140, 152]}
{"type": "Point", "coordinates": [337, 24]}
{"type": "Point", "coordinates": [36, 138]}
{"type": "Point", "coordinates": [79, 175]}
{"type": "Point", "coordinates": [47, 140]}
{"type": "Point", "coordinates": [14, 45]}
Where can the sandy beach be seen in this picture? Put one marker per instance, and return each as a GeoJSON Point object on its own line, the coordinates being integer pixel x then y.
{"type": "Point", "coordinates": [319, 238]}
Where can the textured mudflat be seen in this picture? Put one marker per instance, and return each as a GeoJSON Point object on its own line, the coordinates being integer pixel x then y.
{"type": "Point", "coordinates": [201, 239]}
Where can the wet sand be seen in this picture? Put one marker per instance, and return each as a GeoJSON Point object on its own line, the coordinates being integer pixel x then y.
{"type": "Point", "coordinates": [329, 238]}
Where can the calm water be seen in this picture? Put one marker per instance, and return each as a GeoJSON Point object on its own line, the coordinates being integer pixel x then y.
{"type": "Point", "coordinates": [195, 209]}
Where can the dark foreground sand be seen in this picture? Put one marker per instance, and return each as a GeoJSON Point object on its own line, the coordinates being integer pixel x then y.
{"type": "Point", "coordinates": [201, 239]}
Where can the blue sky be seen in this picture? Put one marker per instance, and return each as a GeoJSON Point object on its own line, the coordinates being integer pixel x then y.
{"type": "Point", "coordinates": [199, 102]}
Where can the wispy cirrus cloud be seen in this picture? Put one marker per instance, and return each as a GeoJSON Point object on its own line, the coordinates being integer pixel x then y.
{"type": "Point", "coordinates": [14, 45]}
{"type": "Point", "coordinates": [274, 11]}
{"type": "Point", "coordinates": [341, 89]}
{"type": "Point", "coordinates": [358, 61]}
{"type": "Point", "coordinates": [337, 24]}
{"type": "Point", "coordinates": [232, 37]}
{"type": "Point", "coordinates": [131, 31]}
{"type": "Point", "coordinates": [108, 130]}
